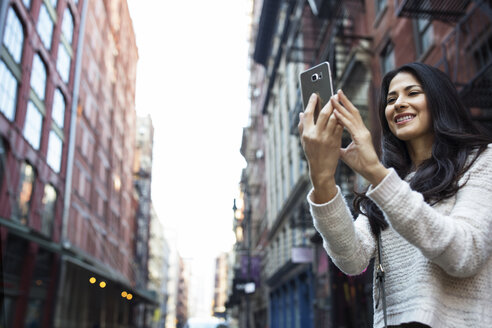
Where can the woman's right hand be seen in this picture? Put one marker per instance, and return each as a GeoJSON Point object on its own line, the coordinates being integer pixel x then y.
{"type": "Point", "coordinates": [321, 140]}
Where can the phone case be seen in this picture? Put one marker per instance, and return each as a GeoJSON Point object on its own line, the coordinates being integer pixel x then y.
{"type": "Point", "coordinates": [316, 79]}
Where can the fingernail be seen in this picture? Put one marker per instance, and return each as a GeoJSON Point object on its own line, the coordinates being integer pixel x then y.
{"type": "Point", "coordinates": [313, 95]}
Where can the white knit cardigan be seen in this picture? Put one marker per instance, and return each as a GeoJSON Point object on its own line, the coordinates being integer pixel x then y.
{"type": "Point", "coordinates": [436, 258]}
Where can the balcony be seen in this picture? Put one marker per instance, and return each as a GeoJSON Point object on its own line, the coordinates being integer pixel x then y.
{"type": "Point", "coordinates": [443, 10]}
{"type": "Point", "coordinates": [467, 59]}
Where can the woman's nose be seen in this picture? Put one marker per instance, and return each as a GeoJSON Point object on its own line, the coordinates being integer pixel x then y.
{"type": "Point", "coordinates": [399, 103]}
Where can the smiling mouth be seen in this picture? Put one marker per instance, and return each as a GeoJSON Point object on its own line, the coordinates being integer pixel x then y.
{"type": "Point", "coordinates": [404, 118]}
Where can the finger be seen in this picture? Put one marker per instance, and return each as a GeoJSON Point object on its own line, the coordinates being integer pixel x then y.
{"type": "Point", "coordinates": [340, 108]}
{"type": "Point", "coordinates": [310, 108]}
{"type": "Point", "coordinates": [345, 121]}
{"type": "Point", "coordinates": [346, 102]}
{"type": "Point", "coordinates": [325, 113]}
{"type": "Point", "coordinates": [300, 126]}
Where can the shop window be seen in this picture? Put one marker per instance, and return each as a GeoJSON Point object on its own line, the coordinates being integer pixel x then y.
{"type": "Point", "coordinates": [63, 62]}
{"type": "Point", "coordinates": [55, 145]}
{"type": "Point", "coordinates": [424, 35]}
{"type": "Point", "coordinates": [26, 186]}
{"type": "Point", "coordinates": [39, 284]}
{"type": "Point", "coordinates": [387, 58]}
{"type": "Point", "coordinates": [33, 125]}
{"type": "Point", "coordinates": [13, 37]}
{"type": "Point", "coordinates": [58, 111]}
{"type": "Point", "coordinates": [8, 92]}
{"type": "Point", "coordinates": [38, 76]}
{"type": "Point", "coordinates": [67, 25]}
{"type": "Point", "coordinates": [45, 26]}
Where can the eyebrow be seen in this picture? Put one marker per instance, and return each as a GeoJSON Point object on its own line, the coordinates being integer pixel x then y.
{"type": "Point", "coordinates": [406, 88]}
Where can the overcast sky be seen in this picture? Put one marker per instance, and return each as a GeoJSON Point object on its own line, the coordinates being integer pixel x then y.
{"type": "Point", "coordinates": [192, 78]}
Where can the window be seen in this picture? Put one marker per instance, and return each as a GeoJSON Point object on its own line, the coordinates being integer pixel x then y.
{"type": "Point", "coordinates": [48, 214]}
{"type": "Point", "coordinates": [63, 62]}
{"type": "Point", "coordinates": [3, 161]}
{"type": "Point", "coordinates": [26, 186]}
{"type": "Point", "coordinates": [58, 112]}
{"type": "Point", "coordinates": [67, 25]}
{"type": "Point", "coordinates": [387, 58]}
{"type": "Point", "coordinates": [53, 3]}
{"type": "Point", "coordinates": [38, 77]}
{"type": "Point", "coordinates": [13, 36]}
{"type": "Point", "coordinates": [380, 5]}
{"type": "Point", "coordinates": [27, 3]}
{"type": "Point", "coordinates": [8, 92]}
{"type": "Point", "coordinates": [54, 151]}
{"type": "Point", "coordinates": [45, 26]}
{"type": "Point", "coordinates": [424, 32]}
{"type": "Point", "coordinates": [33, 124]}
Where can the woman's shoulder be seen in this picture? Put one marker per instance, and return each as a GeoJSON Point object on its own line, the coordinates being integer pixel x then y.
{"type": "Point", "coordinates": [484, 160]}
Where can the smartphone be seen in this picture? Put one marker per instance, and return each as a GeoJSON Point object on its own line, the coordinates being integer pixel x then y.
{"type": "Point", "coordinates": [317, 80]}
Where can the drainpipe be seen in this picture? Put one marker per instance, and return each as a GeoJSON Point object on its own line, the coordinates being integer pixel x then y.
{"type": "Point", "coordinates": [73, 121]}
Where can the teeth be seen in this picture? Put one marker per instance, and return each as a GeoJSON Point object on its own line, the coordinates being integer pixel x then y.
{"type": "Point", "coordinates": [404, 118]}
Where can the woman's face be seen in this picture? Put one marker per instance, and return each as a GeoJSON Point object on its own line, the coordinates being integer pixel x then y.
{"type": "Point", "coordinates": [406, 110]}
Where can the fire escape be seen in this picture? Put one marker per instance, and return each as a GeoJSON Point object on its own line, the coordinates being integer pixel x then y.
{"type": "Point", "coordinates": [466, 52]}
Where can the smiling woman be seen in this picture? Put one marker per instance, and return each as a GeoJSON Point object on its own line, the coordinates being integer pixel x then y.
{"type": "Point", "coordinates": [425, 217]}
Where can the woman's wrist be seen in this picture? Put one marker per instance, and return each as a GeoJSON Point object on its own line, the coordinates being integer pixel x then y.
{"type": "Point", "coordinates": [324, 192]}
{"type": "Point", "coordinates": [377, 174]}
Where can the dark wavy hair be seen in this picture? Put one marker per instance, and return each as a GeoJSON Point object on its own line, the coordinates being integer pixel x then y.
{"type": "Point", "coordinates": [456, 138]}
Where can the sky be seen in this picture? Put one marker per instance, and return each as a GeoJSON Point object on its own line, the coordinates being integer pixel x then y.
{"type": "Point", "coordinates": [192, 78]}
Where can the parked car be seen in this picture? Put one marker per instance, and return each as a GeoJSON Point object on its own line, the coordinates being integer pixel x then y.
{"type": "Point", "coordinates": [209, 322]}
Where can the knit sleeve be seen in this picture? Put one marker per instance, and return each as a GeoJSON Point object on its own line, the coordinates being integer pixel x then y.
{"type": "Point", "coordinates": [460, 242]}
{"type": "Point", "coordinates": [349, 244]}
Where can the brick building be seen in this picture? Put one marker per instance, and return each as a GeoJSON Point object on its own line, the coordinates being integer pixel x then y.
{"type": "Point", "coordinates": [101, 218]}
{"type": "Point", "coordinates": [38, 94]}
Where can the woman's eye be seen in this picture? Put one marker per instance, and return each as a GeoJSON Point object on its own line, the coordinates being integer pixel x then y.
{"type": "Point", "coordinates": [390, 100]}
{"type": "Point", "coordinates": [413, 93]}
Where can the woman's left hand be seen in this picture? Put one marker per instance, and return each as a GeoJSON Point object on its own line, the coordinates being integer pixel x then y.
{"type": "Point", "coordinates": [360, 154]}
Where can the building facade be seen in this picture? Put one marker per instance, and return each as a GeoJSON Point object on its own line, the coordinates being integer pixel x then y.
{"type": "Point", "coordinates": [39, 59]}
{"type": "Point", "coordinates": [362, 40]}
{"type": "Point", "coordinates": [101, 213]}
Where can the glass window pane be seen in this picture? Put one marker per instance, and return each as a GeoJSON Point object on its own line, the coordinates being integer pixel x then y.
{"type": "Point", "coordinates": [53, 3]}
{"type": "Point", "coordinates": [32, 126]}
{"type": "Point", "coordinates": [38, 76]}
{"type": "Point", "coordinates": [8, 92]}
{"type": "Point", "coordinates": [63, 63]}
{"type": "Point", "coordinates": [26, 185]}
{"type": "Point", "coordinates": [54, 151]}
{"type": "Point", "coordinates": [58, 112]}
{"type": "Point", "coordinates": [45, 26]}
{"type": "Point", "coordinates": [49, 202]}
{"type": "Point", "coordinates": [27, 3]}
{"type": "Point", "coordinates": [67, 25]}
{"type": "Point", "coordinates": [13, 36]}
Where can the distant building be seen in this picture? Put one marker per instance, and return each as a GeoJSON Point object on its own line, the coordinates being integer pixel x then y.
{"type": "Point", "coordinates": [159, 269]}
{"type": "Point", "coordinates": [182, 293]}
{"type": "Point", "coordinates": [220, 285]}
{"type": "Point", "coordinates": [39, 63]}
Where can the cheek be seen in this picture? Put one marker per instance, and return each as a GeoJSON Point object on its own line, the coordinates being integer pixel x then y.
{"type": "Point", "coordinates": [388, 113]}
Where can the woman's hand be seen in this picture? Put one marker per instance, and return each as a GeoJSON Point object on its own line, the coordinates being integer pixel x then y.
{"type": "Point", "coordinates": [360, 155]}
{"type": "Point", "coordinates": [321, 140]}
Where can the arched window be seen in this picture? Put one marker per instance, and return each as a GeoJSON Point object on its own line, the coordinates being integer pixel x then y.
{"type": "Point", "coordinates": [63, 62]}
{"type": "Point", "coordinates": [33, 125]}
{"type": "Point", "coordinates": [67, 25]}
{"type": "Point", "coordinates": [26, 186]}
{"type": "Point", "coordinates": [48, 211]}
{"type": "Point", "coordinates": [58, 112]}
{"type": "Point", "coordinates": [8, 92]}
{"type": "Point", "coordinates": [54, 155]}
{"type": "Point", "coordinates": [13, 37]}
{"type": "Point", "coordinates": [45, 26]}
{"type": "Point", "coordinates": [38, 76]}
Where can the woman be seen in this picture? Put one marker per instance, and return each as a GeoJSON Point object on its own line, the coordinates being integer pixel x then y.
{"type": "Point", "coordinates": [429, 201]}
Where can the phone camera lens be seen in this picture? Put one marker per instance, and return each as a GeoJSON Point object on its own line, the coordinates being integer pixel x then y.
{"type": "Point", "coordinates": [314, 77]}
